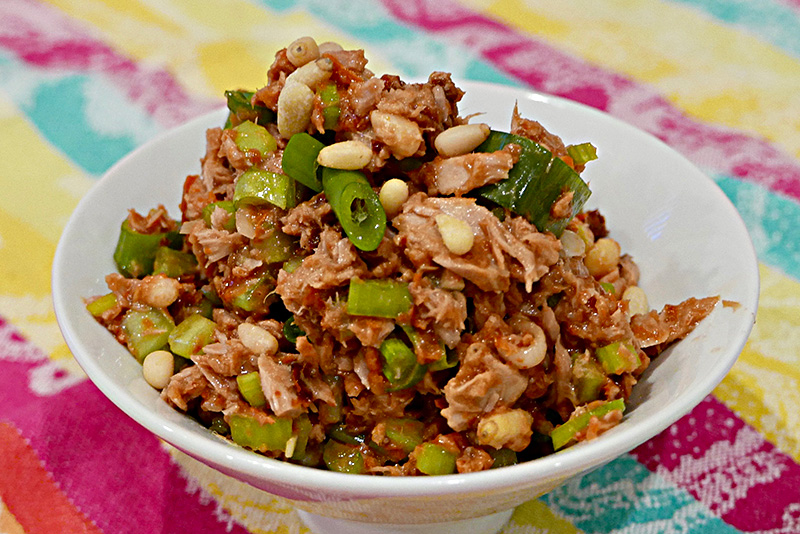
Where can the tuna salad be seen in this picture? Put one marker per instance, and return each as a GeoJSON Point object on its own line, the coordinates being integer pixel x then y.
{"type": "Point", "coordinates": [363, 280]}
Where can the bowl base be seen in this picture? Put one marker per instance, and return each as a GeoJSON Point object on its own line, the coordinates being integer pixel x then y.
{"type": "Point", "coordinates": [489, 524]}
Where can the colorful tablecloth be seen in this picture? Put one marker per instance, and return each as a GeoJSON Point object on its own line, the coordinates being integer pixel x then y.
{"type": "Point", "coordinates": [82, 82]}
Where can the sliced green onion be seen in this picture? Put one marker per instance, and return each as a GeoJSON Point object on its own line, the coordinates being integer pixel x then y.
{"type": "Point", "coordinates": [292, 263]}
{"type": "Point", "coordinates": [102, 304]}
{"type": "Point", "coordinates": [343, 458]}
{"type": "Point", "coordinates": [174, 263]}
{"type": "Point", "coordinates": [250, 387]}
{"type": "Point", "coordinates": [564, 434]}
{"type": "Point", "coordinates": [405, 434]}
{"type": "Point", "coordinates": [502, 457]}
{"type": "Point", "coordinates": [253, 137]}
{"type": "Point", "coordinates": [301, 427]}
{"type": "Point", "coordinates": [146, 331]}
{"type": "Point", "coordinates": [241, 109]}
{"type": "Point", "coordinates": [427, 345]}
{"type": "Point", "coordinates": [331, 414]}
{"type": "Point", "coordinates": [136, 252]}
{"type": "Point", "coordinates": [227, 205]}
{"type": "Point", "coordinates": [300, 160]}
{"type": "Point", "coordinates": [608, 287]}
{"type": "Point", "coordinates": [618, 357]}
{"type": "Point", "coordinates": [275, 246]}
{"type": "Point", "coordinates": [329, 96]}
{"type": "Point", "coordinates": [356, 205]}
{"type": "Point", "coordinates": [378, 298]}
{"type": "Point", "coordinates": [219, 426]}
{"type": "Point", "coordinates": [583, 153]}
{"type": "Point", "coordinates": [588, 377]}
{"type": "Point", "coordinates": [434, 459]}
{"type": "Point", "coordinates": [259, 187]}
{"type": "Point", "coordinates": [400, 367]}
{"type": "Point", "coordinates": [534, 183]}
{"type": "Point", "coordinates": [191, 335]}
{"type": "Point", "coordinates": [340, 433]}
{"type": "Point", "coordinates": [253, 294]}
{"type": "Point", "coordinates": [248, 432]}
{"type": "Point", "coordinates": [291, 331]}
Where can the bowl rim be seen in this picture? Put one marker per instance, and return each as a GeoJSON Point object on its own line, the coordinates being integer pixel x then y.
{"type": "Point", "coordinates": [557, 466]}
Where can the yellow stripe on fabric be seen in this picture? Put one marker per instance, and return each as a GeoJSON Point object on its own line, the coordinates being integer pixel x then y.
{"type": "Point", "coordinates": [535, 516]}
{"type": "Point", "coordinates": [209, 46]}
{"type": "Point", "coordinates": [715, 72]}
{"type": "Point", "coordinates": [763, 387]}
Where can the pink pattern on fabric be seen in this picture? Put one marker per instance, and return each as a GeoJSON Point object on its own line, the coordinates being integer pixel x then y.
{"type": "Point", "coordinates": [550, 70]}
{"type": "Point", "coordinates": [44, 37]}
{"type": "Point", "coordinates": [112, 469]}
{"type": "Point", "coordinates": [728, 466]}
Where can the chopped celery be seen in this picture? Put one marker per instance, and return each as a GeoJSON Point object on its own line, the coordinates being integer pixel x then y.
{"type": "Point", "coordinates": [502, 457]}
{"type": "Point", "coordinates": [301, 427]}
{"type": "Point", "coordinates": [102, 304]}
{"type": "Point", "coordinates": [329, 96]}
{"type": "Point", "coordinates": [434, 459]}
{"type": "Point", "coordinates": [563, 434]}
{"type": "Point", "coordinates": [146, 331]}
{"type": "Point", "coordinates": [378, 298]}
{"type": "Point", "coordinates": [300, 160]}
{"type": "Point", "coordinates": [618, 357]}
{"type": "Point", "coordinates": [250, 387]}
{"type": "Point", "coordinates": [191, 335]}
{"type": "Point", "coordinates": [343, 458]}
{"type": "Point", "coordinates": [405, 433]}
{"type": "Point", "coordinates": [534, 183]}
{"type": "Point", "coordinates": [227, 205]}
{"type": "Point", "coordinates": [291, 331]}
{"type": "Point", "coordinates": [136, 252]}
{"type": "Point", "coordinates": [252, 137]}
{"type": "Point", "coordinates": [587, 377]}
{"type": "Point", "coordinates": [257, 186]}
{"type": "Point", "coordinates": [276, 246]}
{"type": "Point", "coordinates": [253, 294]}
{"type": "Point", "coordinates": [248, 432]}
{"type": "Point", "coordinates": [241, 109]}
{"type": "Point", "coordinates": [583, 153]}
{"type": "Point", "coordinates": [356, 206]}
{"type": "Point", "coordinates": [174, 263]}
{"type": "Point", "coordinates": [401, 367]}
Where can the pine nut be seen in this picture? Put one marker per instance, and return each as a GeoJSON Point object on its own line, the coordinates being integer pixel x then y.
{"type": "Point", "coordinates": [257, 339]}
{"type": "Point", "coordinates": [346, 155]}
{"type": "Point", "coordinates": [501, 429]}
{"type": "Point", "coordinates": [393, 195]}
{"type": "Point", "coordinates": [572, 244]}
{"type": "Point", "coordinates": [159, 291]}
{"type": "Point", "coordinates": [312, 73]}
{"type": "Point", "coordinates": [456, 234]}
{"type": "Point", "coordinates": [461, 139]}
{"type": "Point", "coordinates": [301, 51]}
{"type": "Point", "coordinates": [295, 104]}
{"type": "Point", "coordinates": [603, 257]}
{"type": "Point", "coordinates": [158, 367]}
{"type": "Point", "coordinates": [329, 46]}
{"type": "Point", "coordinates": [403, 136]}
{"type": "Point", "coordinates": [637, 300]}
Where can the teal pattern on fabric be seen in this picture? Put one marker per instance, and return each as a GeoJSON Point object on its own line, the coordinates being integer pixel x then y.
{"type": "Point", "coordinates": [624, 496]}
{"type": "Point", "coordinates": [413, 54]}
{"type": "Point", "coordinates": [772, 220]}
{"type": "Point", "coordinates": [770, 20]}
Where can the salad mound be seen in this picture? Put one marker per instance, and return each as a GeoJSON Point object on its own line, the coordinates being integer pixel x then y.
{"type": "Point", "coordinates": [363, 280]}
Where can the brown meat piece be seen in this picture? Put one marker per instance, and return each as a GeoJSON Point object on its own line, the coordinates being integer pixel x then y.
{"type": "Point", "coordinates": [461, 174]}
{"type": "Point", "coordinates": [656, 331]}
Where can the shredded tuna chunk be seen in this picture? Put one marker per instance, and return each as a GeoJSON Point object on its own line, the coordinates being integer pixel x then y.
{"type": "Point", "coordinates": [279, 387]}
{"type": "Point", "coordinates": [657, 330]}
{"type": "Point", "coordinates": [461, 174]}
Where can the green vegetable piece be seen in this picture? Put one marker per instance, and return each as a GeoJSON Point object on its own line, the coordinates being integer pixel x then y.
{"type": "Point", "coordinates": [583, 153]}
{"type": "Point", "coordinates": [356, 205]}
{"type": "Point", "coordinates": [136, 252]}
{"type": "Point", "coordinates": [301, 427]}
{"type": "Point", "coordinates": [300, 160]}
{"type": "Point", "coordinates": [174, 263]}
{"type": "Point", "coordinates": [343, 458]}
{"type": "Point", "coordinates": [378, 298]}
{"type": "Point", "coordinates": [219, 426]}
{"type": "Point", "coordinates": [254, 294]}
{"type": "Point", "coordinates": [259, 187]}
{"type": "Point", "coordinates": [291, 331]}
{"type": "Point", "coordinates": [608, 287]}
{"type": "Point", "coordinates": [331, 414]}
{"type": "Point", "coordinates": [329, 96]}
{"type": "Point", "coordinates": [423, 345]}
{"type": "Point", "coordinates": [502, 457]}
{"type": "Point", "coordinates": [227, 205]}
{"type": "Point", "coordinates": [146, 331]}
{"type": "Point", "coordinates": [340, 433]}
{"type": "Point", "coordinates": [434, 459]}
{"type": "Point", "coordinates": [241, 109]}
{"type": "Point", "coordinates": [251, 137]}
{"type": "Point", "coordinates": [564, 434]}
{"type": "Point", "coordinates": [400, 367]}
{"type": "Point", "coordinates": [405, 434]}
{"type": "Point", "coordinates": [275, 246]}
{"type": "Point", "coordinates": [292, 263]}
{"type": "Point", "coordinates": [618, 357]}
{"type": "Point", "coordinates": [588, 377]}
{"type": "Point", "coordinates": [248, 432]}
{"type": "Point", "coordinates": [191, 335]}
{"type": "Point", "coordinates": [534, 183]}
{"type": "Point", "coordinates": [102, 304]}
{"type": "Point", "coordinates": [250, 387]}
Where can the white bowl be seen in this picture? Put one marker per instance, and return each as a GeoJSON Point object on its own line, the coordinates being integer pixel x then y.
{"type": "Point", "coordinates": [681, 229]}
